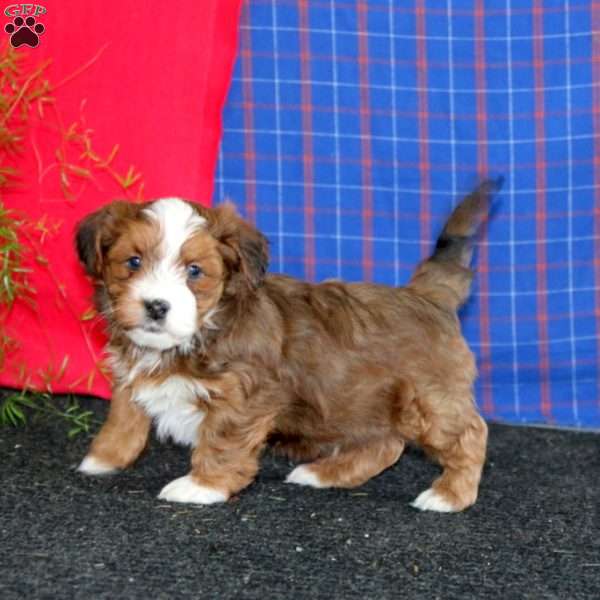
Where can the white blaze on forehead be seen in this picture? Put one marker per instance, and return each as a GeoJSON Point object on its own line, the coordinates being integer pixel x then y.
{"type": "Point", "coordinates": [166, 278]}
{"type": "Point", "coordinates": [178, 221]}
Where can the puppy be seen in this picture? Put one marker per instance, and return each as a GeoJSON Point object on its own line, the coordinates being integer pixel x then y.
{"type": "Point", "coordinates": [226, 359]}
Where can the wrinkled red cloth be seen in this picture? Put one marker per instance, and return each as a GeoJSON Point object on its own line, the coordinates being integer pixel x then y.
{"type": "Point", "coordinates": [150, 77]}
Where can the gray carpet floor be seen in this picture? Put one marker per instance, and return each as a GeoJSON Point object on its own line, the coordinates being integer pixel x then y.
{"type": "Point", "coordinates": [534, 533]}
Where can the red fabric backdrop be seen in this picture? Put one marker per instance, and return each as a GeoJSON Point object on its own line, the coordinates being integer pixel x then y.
{"type": "Point", "coordinates": [150, 77]}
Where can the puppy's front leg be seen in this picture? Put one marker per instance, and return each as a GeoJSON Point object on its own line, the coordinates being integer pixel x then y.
{"type": "Point", "coordinates": [224, 461]}
{"type": "Point", "coordinates": [121, 439]}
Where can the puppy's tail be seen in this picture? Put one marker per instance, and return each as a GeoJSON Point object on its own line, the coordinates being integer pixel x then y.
{"type": "Point", "coordinates": [445, 277]}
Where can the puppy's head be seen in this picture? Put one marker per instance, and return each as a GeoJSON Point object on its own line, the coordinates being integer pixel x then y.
{"type": "Point", "coordinates": [163, 267]}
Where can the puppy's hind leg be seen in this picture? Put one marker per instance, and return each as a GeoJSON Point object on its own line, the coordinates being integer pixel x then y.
{"type": "Point", "coordinates": [462, 458]}
{"type": "Point", "coordinates": [349, 467]}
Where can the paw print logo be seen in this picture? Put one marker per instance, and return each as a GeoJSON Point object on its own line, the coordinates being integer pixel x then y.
{"type": "Point", "coordinates": [24, 32]}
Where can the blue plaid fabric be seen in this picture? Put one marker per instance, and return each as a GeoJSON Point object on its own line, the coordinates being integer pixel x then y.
{"type": "Point", "coordinates": [352, 128]}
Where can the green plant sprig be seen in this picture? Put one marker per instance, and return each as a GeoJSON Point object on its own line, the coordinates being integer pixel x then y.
{"type": "Point", "coordinates": [13, 273]}
{"type": "Point", "coordinates": [27, 97]}
{"type": "Point", "coordinates": [15, 408]}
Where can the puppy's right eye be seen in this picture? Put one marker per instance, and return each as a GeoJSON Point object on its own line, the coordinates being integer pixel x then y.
{"type": "Point", "coordinates": [134, 262]}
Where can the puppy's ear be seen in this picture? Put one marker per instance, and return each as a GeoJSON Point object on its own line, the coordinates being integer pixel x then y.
{"type": "Point", "coordinates": [243, 247]}
{"type": "Point", "coordinates": [96, 232]}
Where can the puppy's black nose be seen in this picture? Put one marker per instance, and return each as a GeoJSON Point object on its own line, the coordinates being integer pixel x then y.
{"type": "Point", "coordinates": [156, 309]}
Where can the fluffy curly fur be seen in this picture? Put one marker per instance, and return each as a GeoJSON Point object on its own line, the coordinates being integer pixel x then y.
{"type": "Point", "coordinates": [339, 375]}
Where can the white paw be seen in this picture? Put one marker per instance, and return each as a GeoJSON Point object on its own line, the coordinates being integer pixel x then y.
{"type": "Point", "coordinates": [431, 500]}
{"type": "Point", "coordinates": [302, 475]}
{"type": "Point", "coordinates": [185, 489]}
{"type": "Point", "coordinates": [90, 465]}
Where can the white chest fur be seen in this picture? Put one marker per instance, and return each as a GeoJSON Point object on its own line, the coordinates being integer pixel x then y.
{"type": "Point", "coordinates": [173, 404]}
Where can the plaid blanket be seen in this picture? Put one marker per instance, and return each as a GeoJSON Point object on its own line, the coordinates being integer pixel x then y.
{"type": "Point", "coordinates": [352, 128]}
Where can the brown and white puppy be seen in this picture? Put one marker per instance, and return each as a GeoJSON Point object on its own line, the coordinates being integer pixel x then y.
{"type": "Point", "coordinates": [226, 359]}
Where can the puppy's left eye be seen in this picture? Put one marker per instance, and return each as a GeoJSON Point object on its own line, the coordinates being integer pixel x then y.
{"type": "Point", "coordinates": [194, 271]}
{"type": "Point", "coordinates": [134, 263]}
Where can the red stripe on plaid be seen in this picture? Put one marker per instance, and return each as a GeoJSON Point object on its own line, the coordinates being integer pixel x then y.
{"type": "Point", "coordinates": [524, 217]}
{"type": "Point", "coordinates": [365, 144]}
{"type": "Point", "coordinates": [596, 215]}
{"type": "Point", "coordinates": [439, 166]}
{"type": "Point", "coordinates": [540, 209]}
{"type": "Point", "coordinates": [411, 114]}
{"type": "Point", "coordinates": [307, 142]}
{"type": "Point", "coordinates": [432, 63]}
{"type": "Point", "coordinates": [433, 10]}
{"type": "Point", "coordinates": [424, 165]}
{"type": "Point", "coordinates": [485, 366]}
{"type": "Point", "coordinates": [249, 146]}
{"type": "Point", "coordinates": [530, 370]}
{"type": "Point", "coordinates": [459, 167]}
